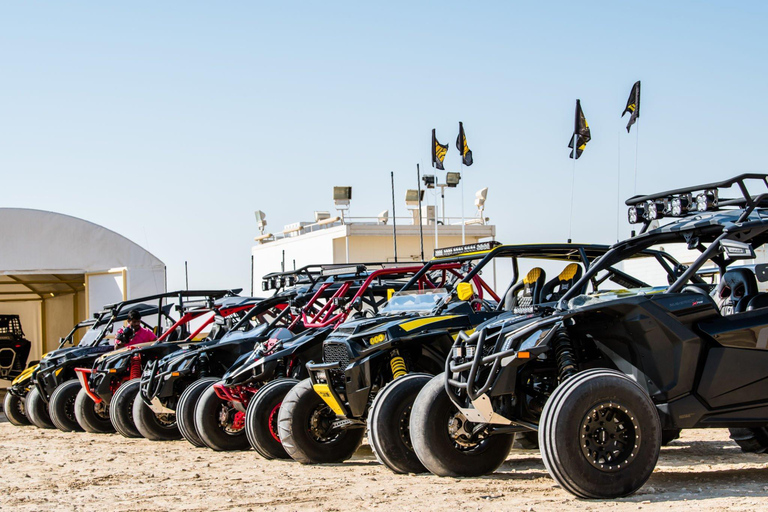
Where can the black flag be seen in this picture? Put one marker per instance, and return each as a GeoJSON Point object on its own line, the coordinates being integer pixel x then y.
{"type": "Point", "coordinates": [581, 131]}
{"type": "Point", "coordinates": [633, 105]}
{"type": "Point", "coordinates": [438, 152]}
{"type": "Point", "coordinates": [461, 145]}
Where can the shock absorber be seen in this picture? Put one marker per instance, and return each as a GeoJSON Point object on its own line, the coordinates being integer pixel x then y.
{"type": "Point", "coordinates": [566, 361]}
{"type": "Point", "coordinates": [397, 364]}
{"type": "Point", "coordinates": [135, 366]}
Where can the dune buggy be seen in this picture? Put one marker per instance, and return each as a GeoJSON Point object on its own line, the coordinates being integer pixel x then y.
{"type": "Point", "coordinates": [15, 397]}
{"type": "Point", "coordinates": [173, 384]}
{"type": "Point", "coordinates": [618, 366]}
{"type": "Point", "coordinates": [243, 400]}
{"type": "Point", "coordinates": [14, 347]}
{"type": "Point", "coordinates": [112, 383]}
{"type": "Point", "coordinates": [375, 368]}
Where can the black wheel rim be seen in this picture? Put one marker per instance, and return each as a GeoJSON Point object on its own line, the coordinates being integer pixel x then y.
{"type": "Point", "coordinates": [610, 436]}
{"type": "Point", "coordinates": [321, 424]}
{"type": "Point", "coordinates": [405, 431]}
{"type": "Point", "coordinates": [69, 408]}
{"type": "Point", "coordinates": [462, 434]}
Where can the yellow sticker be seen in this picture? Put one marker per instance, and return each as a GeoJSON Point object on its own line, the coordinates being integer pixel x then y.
{"type": "Point", "coordinates": [325, 393]}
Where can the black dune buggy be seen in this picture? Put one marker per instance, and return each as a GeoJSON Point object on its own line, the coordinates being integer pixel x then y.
{"type": "Point", "coordinates": [15, 397]}
{"type": "Point", "coordinates": [14, 347]}
{"type": "Point", "coordinates": [105, 398]}
{"type": "Point", "coordinates": [617, 367]}
{"type": "Point", "coordinates": [49, 405]}
{"type": "Point", "coordinates": [173, 384]}
{"type": "Point", "coordinates": [374, 368]}
{"type": "Point", "coordinates": [245, 398]}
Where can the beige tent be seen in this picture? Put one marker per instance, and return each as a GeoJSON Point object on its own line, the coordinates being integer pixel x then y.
{"type": "Point", "coordinates": [56, 270]}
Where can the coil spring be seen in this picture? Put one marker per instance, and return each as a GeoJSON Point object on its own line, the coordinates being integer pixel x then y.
{"type": "Point", "coordinates": [566, 361]}
{"type": "Point", "coordinates": [397, 364]}
{"type": "Point", "coordinates": [135, 366]}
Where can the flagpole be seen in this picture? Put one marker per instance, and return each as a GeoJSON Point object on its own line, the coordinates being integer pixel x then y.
{"type": "Point", "coordinates": [436, 212]}
{"type": "Point", "coordinates": [394, 215]}
{"type": "Point", "coordinates": [421, 232]}
{"type": "Point", "coordinates": [618, 186]}
{"type": "Point", "coordinates": [461, 175]}
{"type": "Point", "coordinates": [573, 185]}
{"type": "Point", "coordinates": [637, 145]}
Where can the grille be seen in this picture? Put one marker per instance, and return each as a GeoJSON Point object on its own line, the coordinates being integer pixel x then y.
{"type": "Point", "coordinates": [336, 352]}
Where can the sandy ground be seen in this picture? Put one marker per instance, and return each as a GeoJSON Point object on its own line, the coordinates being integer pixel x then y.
{"type": "Point", "coordinates": [52, 470]}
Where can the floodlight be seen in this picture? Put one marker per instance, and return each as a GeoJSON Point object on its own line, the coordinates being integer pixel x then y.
{"type": "Point", "coordinates": [413, 196]}
{"type": "Point", "coordinates": [342, 195]}
{"type": "Point", "coordinates": [261, 220]}
{"type": "Point", "coordinates": [384, 217]}
{"type": "Point", "coordinates": [322, 216]}
{"type": "Point", "coordinates": [452, 179]}
{"type": "Point", "coordinates": [480, 197]}
{"type": "Point", "coordinates": [651, 212]}
{"type": "Point", "coordinates": [429, 180]}
{"type": "Point", "coordinates": [677, 206]}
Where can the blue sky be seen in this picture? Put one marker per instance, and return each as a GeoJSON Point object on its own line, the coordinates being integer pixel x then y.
{"type": "Point", "coordinates": [171, 122]}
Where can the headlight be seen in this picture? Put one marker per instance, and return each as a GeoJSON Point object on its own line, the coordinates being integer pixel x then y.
{"type": "Point", "coordinates": [379, 338]}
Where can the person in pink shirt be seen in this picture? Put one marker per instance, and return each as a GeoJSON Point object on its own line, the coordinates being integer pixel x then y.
{"type": "Point", "coordinates": [134, 333]}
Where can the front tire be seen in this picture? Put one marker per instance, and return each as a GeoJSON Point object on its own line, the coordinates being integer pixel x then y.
{"type": "Point", "coordinates": [304, 427]}
{"type": "Point", "coordinates": [121, 408]}
{"type": "Point", "coordinates": [93, 417]}
{"type": "Point", "coordinates": [155, 427]}
{"type": "Point", "coordinates": [37, 410]}
{"type": "Point", "coordinates": [389, 423]}
{"type": "Point", "coordinates": [219, 424]}
{"type": "Point", "coordinates": [600, 435]}
{"type": "Point", "coordinates": [442, 437]}
{"type": "Point", "coordinates": [261, 419]}
{"type": "Point", "coordinates": [61, 406]}
{"type": "Point", "coordinates": [185, 409]}
{"type": "Point", "coordinates": [13, 407]}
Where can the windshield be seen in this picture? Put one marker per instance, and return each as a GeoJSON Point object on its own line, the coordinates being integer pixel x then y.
{"type": "Point", "coordinates": [419, 301]}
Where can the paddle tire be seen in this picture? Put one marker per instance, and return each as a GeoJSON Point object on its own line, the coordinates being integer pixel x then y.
{"type": "Point", "coordinates": [600, 435]}
{"type": "Point", "coordinates": [185, 409]}
{"type": "Point", "coordinates": [14, 410]}
{"type": "Point", "coordinates": [121, 409]}
{"type": "Point", "coordinates": [37, 409]}
{"type": "Point", "coordinates": [61, 406]}
{"type": "Point", "coordinates": [219, 424]}
{"type": "Point", "coordinates": [444, 441]}
{"type": "Point", "coordinates": [93, 417]}
{"type": "Point", "coordinates": [389, 423]}
{"type": "Point", "coordinates": [751, 440]}
{"type": "Point", "coordinates": [261, 419]}
{"type": "Point", "coordinates": [155, 427]}
{"type": "Point", "coordinates": [304, 427]}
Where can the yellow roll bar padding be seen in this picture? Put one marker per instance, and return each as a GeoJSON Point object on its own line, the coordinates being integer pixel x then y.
{"type": "Point", "coordinates": [464, 291]}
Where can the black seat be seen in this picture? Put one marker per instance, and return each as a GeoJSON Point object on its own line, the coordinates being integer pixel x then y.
{"type": "Point", "coordinates": [557, 287]}
{"type": "Point", "coordinates": [736, 288]}
{"type": "Point", "coordinates": [527, 292]}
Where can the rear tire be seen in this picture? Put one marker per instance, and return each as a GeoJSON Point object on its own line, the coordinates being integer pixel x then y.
{"type": "Point", "coordinates": [93, 417]}
{"type": "Point", "coordinates": [37, 409]}
{"type": "Point", "coordinates": [13, 407]}
{"type": "Point", "coordinates": [435, 426]}
{"type": "Point", "coordinates": [308, 443]}
{"type": "Point", "coordinates": [121, 408]}
{"type": "Point", "coordinates": [600, 435]}
{"type": "Point", "coordinates": [389, 423]}
{"type": "Point", "coordinates": [61, 406]}
{"type": "Point", "coordinates": [751, 440]}
{"type": "Point", "coordinates": [152, 426]}
{"type": "Point", "coordinates": [185, 409]}
{"type": "Point", "coordinates": [217, 423]}
{"type": "Point", "coordinates": [261, 419]}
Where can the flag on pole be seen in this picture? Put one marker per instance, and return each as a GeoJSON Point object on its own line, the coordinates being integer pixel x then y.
{"type": "Point", "coordinates": [438, 152]}
{"type": "Point", "coordinates": [461, 145]}
{"type": "Point", "coordinates": [633, 105]}
{"type": "Point", "coordinates": [580, 131]}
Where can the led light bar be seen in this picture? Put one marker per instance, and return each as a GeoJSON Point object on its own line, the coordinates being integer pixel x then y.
{"type": "Point", "coordinates": [462, 249]}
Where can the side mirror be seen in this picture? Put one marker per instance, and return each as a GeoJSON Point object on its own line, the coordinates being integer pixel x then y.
{"type": "Point", "coordinates": [464, 291]}
{"type": "Point", "coordinates": [735, 250]}
{"type": "Point", "coordinates": [357, 304]}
